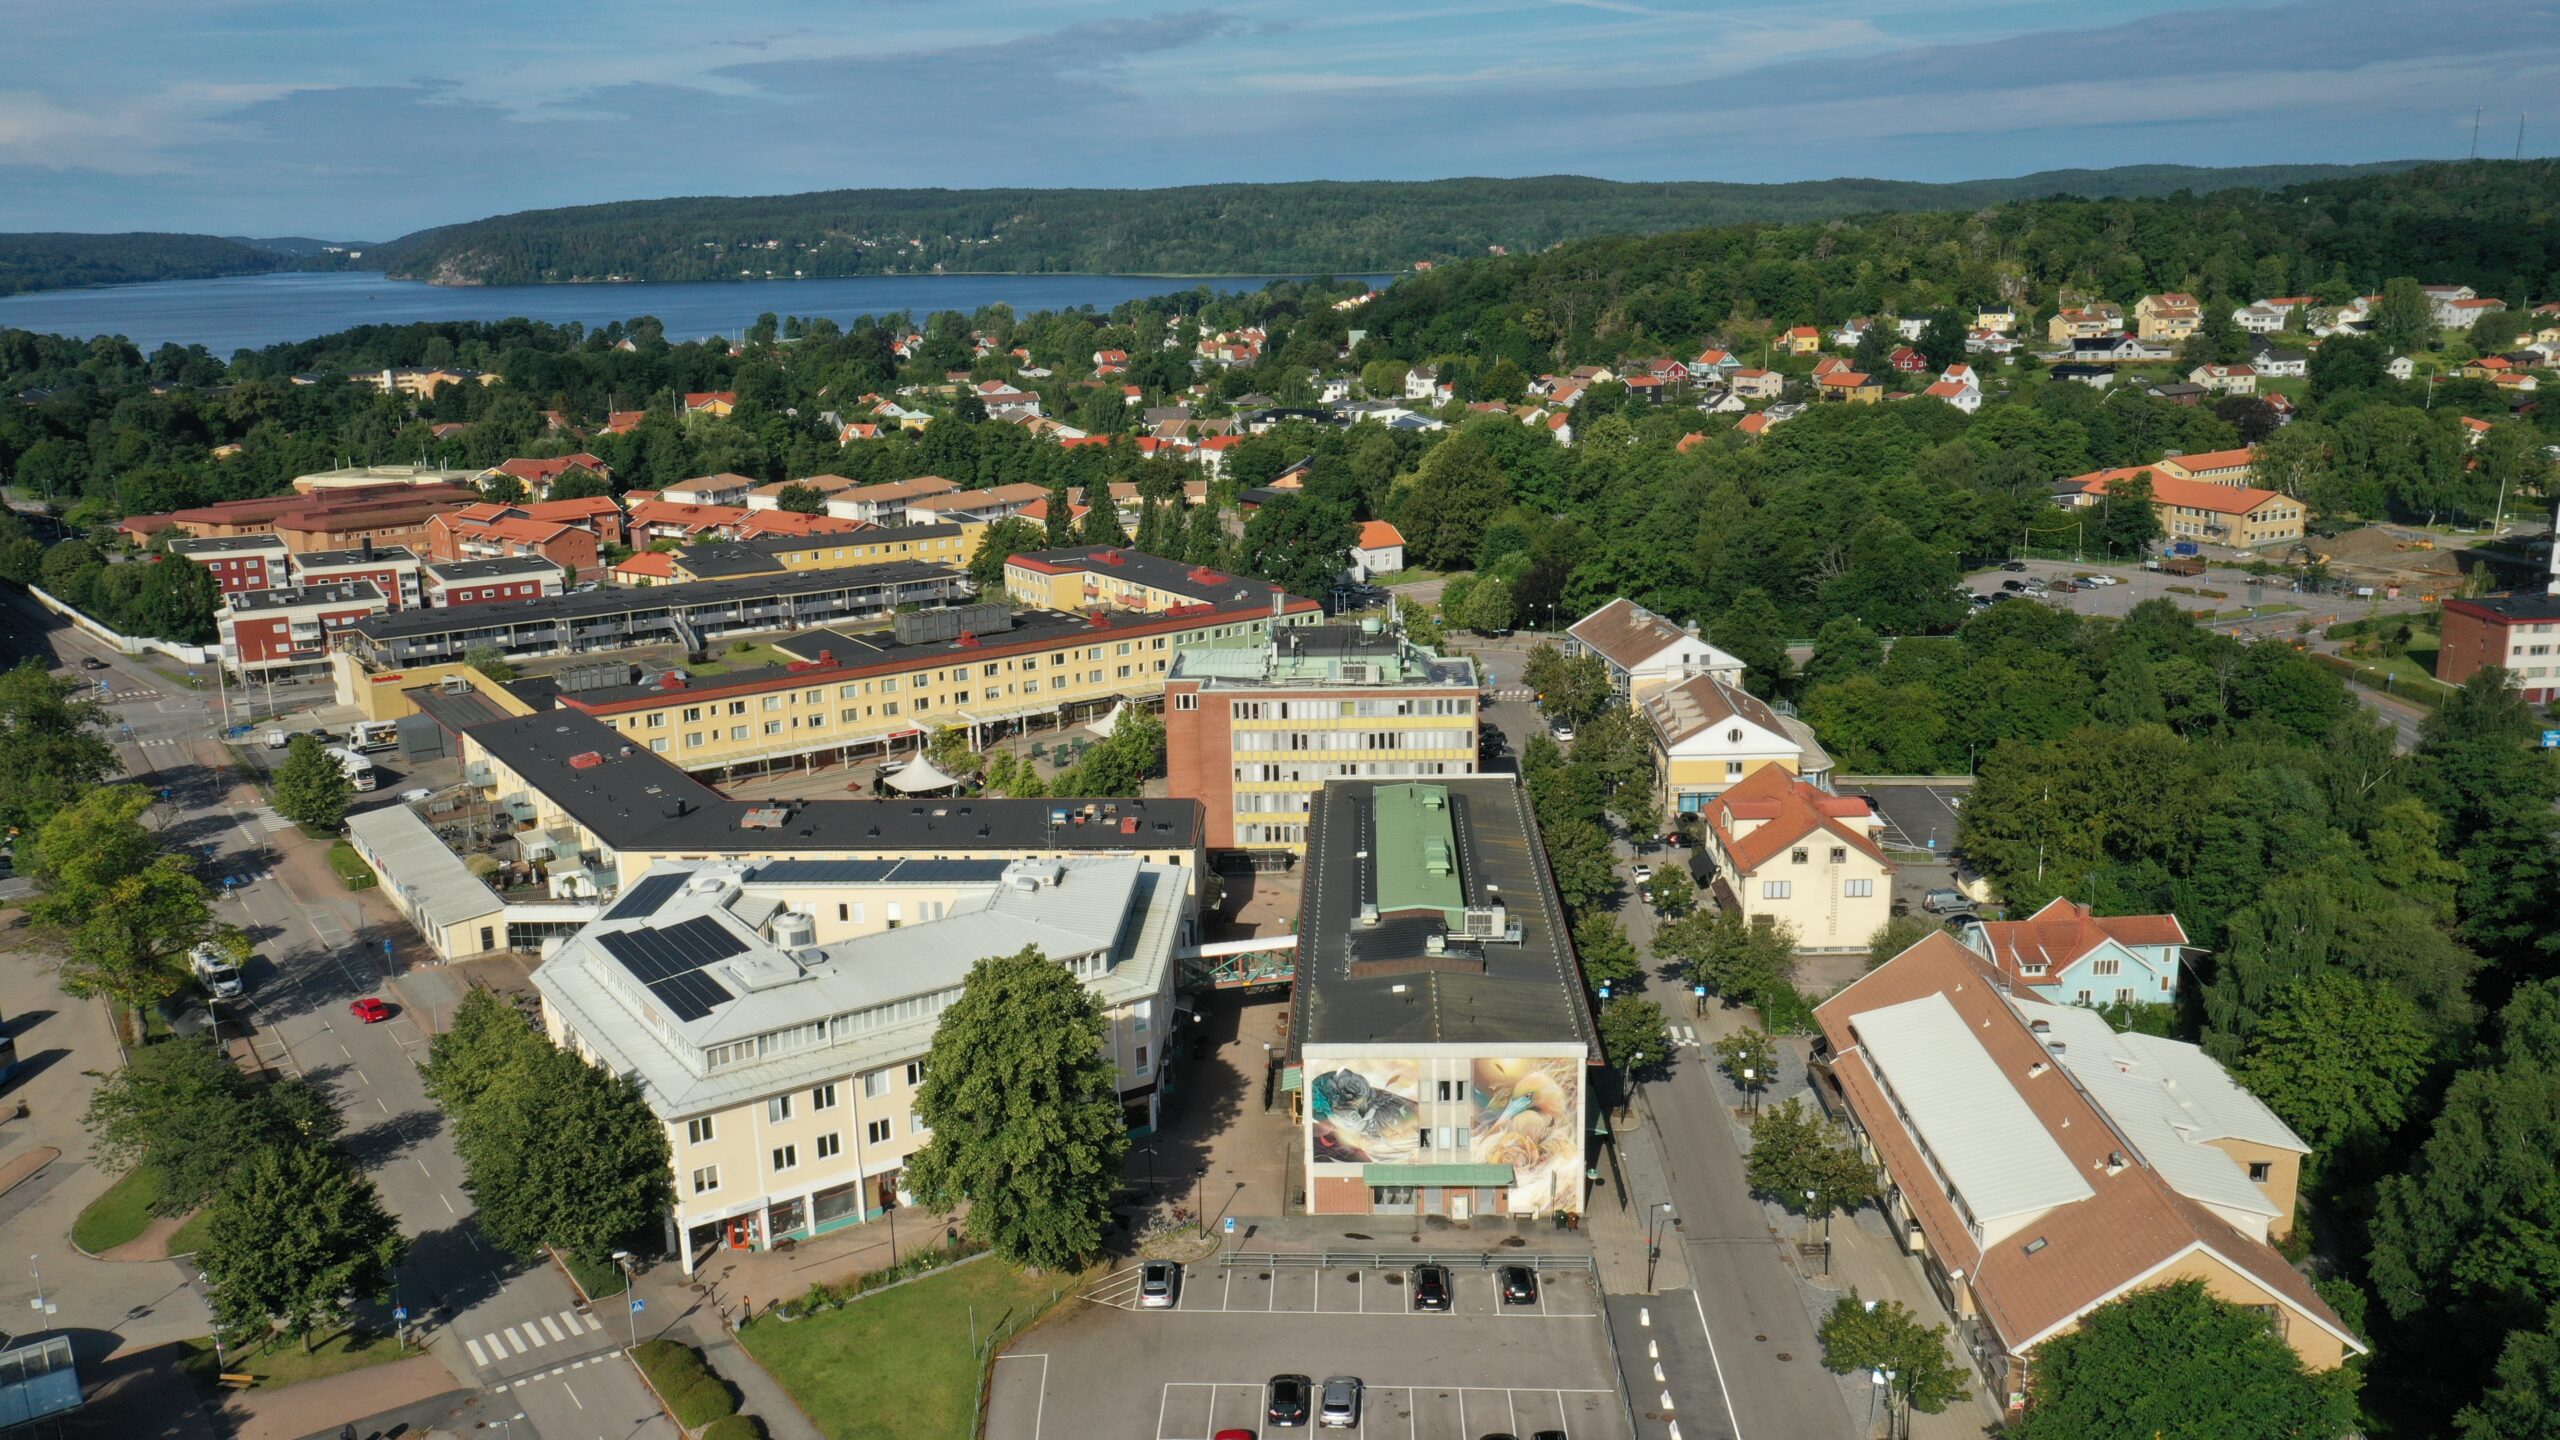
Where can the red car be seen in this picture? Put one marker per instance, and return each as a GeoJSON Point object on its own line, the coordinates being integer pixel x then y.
{"type": "Point", "coordinates": [369, 1010]}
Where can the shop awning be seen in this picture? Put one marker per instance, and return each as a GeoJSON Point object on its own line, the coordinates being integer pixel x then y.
{"type": "Point", "coordinates": [1438, 1175]}
{"type": "Point", "coordinates": [1292, 1078]}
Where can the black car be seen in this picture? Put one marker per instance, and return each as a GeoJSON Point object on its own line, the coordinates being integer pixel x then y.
{"type": "Point", "coordinates": [2013, 584]}
{"type": "Point", "coordinates": [2017, 565]}
{"type": "Point", "coordinates": [1430, 1287]}
{"type": "Point", "coordinates": [1288, 1407]}
{"type": "Point", "coordinates": [1519, 1285]}
{"type": "Point", "coordinates": [92, 662]}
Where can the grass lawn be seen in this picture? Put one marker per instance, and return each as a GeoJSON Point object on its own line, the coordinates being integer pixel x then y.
{"type": "Point", "coordinates": [189, 1237]}
{"type": "Point", "coordinates": [283, 1362]}
{"type": "Point", "coordinates": [1411, 575]}
{"type": "Point", "coordinates": [120, 1214]}
{"type": "Point", "coordinates": [726, 660]}
{"type": "Point", "coordinates": [350, 866]}
{"type": "Point", "coordinates": [896, 1366]}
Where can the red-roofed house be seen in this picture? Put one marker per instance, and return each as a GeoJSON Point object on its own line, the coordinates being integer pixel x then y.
{"type": "Point", "coordinates": [1801, 340]}
{"type": "Point", "coordinates": [2043, 1165]}
{"type": "Point", "coordinates": [1788, 853]}
{"type": "Point", "coordinates": [792, 522]}
{"type": "Point", "coordinates": [623, 422]}
{"type": "Point", "coordinates": [710, 402]}
{"type": "Point", "coordinates": [2071, 956]}
{"type": "Point", "coordinates": [1964, 397]}
{"type": "Point", "coordinates": [539, 475]}
{"type": "Point", "coordinates": [1907, 360]}
{"type": "Point", "coordinates": [1757, 384]}
{"type": "Point", "coordinates": [649, 567]}
{"type": "Point", "coordinates": [1379, 550]}
{"type": "Point", "coordinates": [2212, 467]}
{"type": "Point", "coordinates": [2473, 431]}
{"type": "Point", "coordinates": [1754, 426]}
{"type": "Point", "coordinates": [654, 520]}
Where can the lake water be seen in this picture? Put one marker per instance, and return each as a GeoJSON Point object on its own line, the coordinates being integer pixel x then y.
{"type": "Point", "coordinates": [249, 312]}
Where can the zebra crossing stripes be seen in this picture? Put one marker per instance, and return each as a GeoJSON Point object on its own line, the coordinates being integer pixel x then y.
{"type": "Point", "coordinates": [525, 1336]}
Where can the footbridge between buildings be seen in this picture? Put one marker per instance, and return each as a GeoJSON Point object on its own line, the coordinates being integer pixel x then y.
{"type": "Point", "coordinates": [1235, 964]}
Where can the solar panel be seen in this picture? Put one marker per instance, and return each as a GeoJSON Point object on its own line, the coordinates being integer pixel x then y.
{"type": "Point", "coordinates": [655, 955]}
{"type": "Point", "coordinates": [690, 996]}
{"type": "Point", "coordinates": [645, 897]}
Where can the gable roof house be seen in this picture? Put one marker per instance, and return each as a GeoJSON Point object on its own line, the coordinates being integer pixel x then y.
{"type": "Point", "coordinates": [2041, 1165]}
{"type": "Point", "coordinates": [1788, 852]}
{"type": "Point", "coordinates": [1757, 384]}
{"type": "Point", "coordinates": [1966, 398]}
{"type": "Point", "coordinates": [1644, 651]}
{"type": "Point", "coordinates": [2070, 955]}
{"type": "Point", "coordinates": [2084, 322]}
{"type": "Point", "coordinates": [1708, 734]}
{"type": "Point", "coordinates": [2168, 316]}
{"type": "Point", "coordinates": [2225, 379]}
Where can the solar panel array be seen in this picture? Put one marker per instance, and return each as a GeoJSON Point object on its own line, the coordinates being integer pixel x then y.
{"type": "Point", "coordinates": [670, 962]}
{"type": "Point", "coordinates": [645, 897]}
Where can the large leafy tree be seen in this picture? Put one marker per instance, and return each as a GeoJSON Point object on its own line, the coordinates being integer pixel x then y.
{"type": "Point", "coordinates": [2480, 763]}
{"type": "Point", "coordinates": [1608, 956]}
{"type": "Point", "coordinates": [2340, 1058]}
{"type": "Point", "coordinates": [1460, 486]}
{"type": "Point", "coordinates": [1024, 1109]}
{"type": "Point", "coordinates": [291, 1234]}
{"type": "Point", "coordinates": [999, 543]}
{"type": "Point", "coordinates": [312, 788]}
{"type": "Point", "coordinates": [121, 914]}
{"type": "Point", "coordinates": [1572, 689]}
{"type": "Point", "coordinates": [2523, 1398]}
{"type": "Point", "coordinates": [1299, 543]}
{"type": "Point", "coordinates": [2173, 1360]}
{"type": "Point", "coordinates": [1635, 1036]}
{"type": "Point", "coordinates": [1733, 957]}
{"type": "Point", "coordinates": [1884, 1338]}
{"type": "Point", "coordinates": [1806, 1163]}
{"type": "Point", "coordinates": [50, 747]}
{"type": "Point", "coordinates": [1585, 868]}
{"type": "Point", "coordinates": [2404, 318]}
{"type": "Point", "coordinates": [185, 1110]}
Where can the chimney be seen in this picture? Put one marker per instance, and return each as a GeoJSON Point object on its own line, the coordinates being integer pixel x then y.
{"type": "Point", "coordinates": [368, 547]}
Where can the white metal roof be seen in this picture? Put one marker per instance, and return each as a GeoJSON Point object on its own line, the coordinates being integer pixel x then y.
{"type": "Point", "coordinates": [1984, 1136]}
{"type": "Point", "coordinates": [434, 880]}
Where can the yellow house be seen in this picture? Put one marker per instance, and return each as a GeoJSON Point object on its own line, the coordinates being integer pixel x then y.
{"type": "Point", "coordinates": [1851, 386]}
{"type": "Point", "coordinates": [2086, 322]}
{"type": "Point", "coordinates": [1998, 319]}
{"type": "Point", "coordinates": [1788, 853]}
{"type": "Point", "coordinates": [1801, 340]}
{"type": "Point", "coordinates": [2169, 316]}
{"type": "Point", "coordinates": [1708, 736]}
{"type": "Point", "coordinates": [952, 545]}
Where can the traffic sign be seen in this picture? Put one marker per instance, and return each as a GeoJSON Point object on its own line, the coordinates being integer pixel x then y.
{"type": "Point", "coordinates": [399, 1312]}
{"type": "Point", "coordinates": [638, 1305]}
{"type": "Point", "coordinates": [2551, 739]}
{"type": "Point", "coordinates": [1231, 1225]}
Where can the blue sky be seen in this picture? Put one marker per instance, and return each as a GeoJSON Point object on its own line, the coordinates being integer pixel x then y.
{"type": "Point", "coordinates": [366, 121]}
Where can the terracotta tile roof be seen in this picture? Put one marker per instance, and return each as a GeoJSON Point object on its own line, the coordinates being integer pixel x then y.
{"type": "Point", "coordinates": [1786, 810]}
{"type": "Point", "coordinates": [1845, 379]}
{"type": "Point", "coordinates": [1946, 390]}
{"type": "Point", "coordinates": [2204, 495]}
{"type": "Point", "coordinates": [2085, 1252]}
{"type": "Point", "coordinates": [2065, 930]}
{"type": "Point", "coordinates": [570, 512]}
{"type": "Point", "coordinates": [792, 522]}
{"type": "Point", "coordinates": [697, 399]}
{"type": "Point", "coordinates": [553, 468]}
{"type": "Point", "coordinates": [2205, 460]}
{"type": "Point", "coordinates": [667, 512]}
{"type": "Point", "coordinates": [899, 490]}
{"type": "Point", "coordinates": [1753, 424]}
{"type": "Point", "coordinates": [653, 564]}
{"type": "Point", "coordinates": [1378, 535]}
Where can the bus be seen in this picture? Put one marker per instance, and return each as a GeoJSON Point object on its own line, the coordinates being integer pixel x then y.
{"type": "Point", "coordinates": [359, 769]}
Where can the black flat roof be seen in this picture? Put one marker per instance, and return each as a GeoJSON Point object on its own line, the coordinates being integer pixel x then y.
{"type": "Point", "coordinates": [1526, 993]}
{"type": "Point", "coordinates": [847, 649]}
{"type": "Point", "coordinates": [646, 600]}
{"type": "Point", "coordinates": [330, 559]}
{"type": "Point", "coordinates": [2516, 608]}
{"type": "Point", "coordinates": [219, 543]}
{"type": "Point", "coordinates": [334, 592]}
{"type": "Point", "coordinates": [636, 800]}
{"type": "Point", "coordinates": [503, 565]}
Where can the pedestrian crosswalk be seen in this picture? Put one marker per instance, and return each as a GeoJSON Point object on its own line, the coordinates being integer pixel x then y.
{"type": "Point", "coordinates": [508, 1341]}
{"type": "Point", "coordinates": [1684, 1035]}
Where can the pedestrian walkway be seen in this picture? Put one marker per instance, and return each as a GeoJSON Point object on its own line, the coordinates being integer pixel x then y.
{"type": "Point", "coordinates": [508, 1341]}
{"type": "Point", "coordinates": [320, 1405]}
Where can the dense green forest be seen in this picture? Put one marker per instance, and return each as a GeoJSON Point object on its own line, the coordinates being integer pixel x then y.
{"type": "Point", "coordinates": [63, 261]}
{"type": "Point", "coordinates": [1314, 228]}
{"type": "Point", "coordinates": [2380, 962]}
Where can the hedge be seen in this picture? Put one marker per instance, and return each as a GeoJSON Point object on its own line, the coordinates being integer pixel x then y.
{"type": "Point", "coordinates": [706, 1400]}
{"type": "Point", "coordinates": [735, 1427]}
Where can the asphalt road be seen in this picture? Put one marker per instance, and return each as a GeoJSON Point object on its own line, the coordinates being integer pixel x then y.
{"type": "Point", "coordinates": [317, 951]}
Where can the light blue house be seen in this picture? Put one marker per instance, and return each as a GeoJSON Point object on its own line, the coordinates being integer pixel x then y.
{"type": "Point", "coordinates": [2065, 954]}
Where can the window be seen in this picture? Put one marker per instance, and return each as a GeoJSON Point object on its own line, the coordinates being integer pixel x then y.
{"type": "Point", "coordinates": [1190, 701]}
{"type": "Point", "coordinates": [1839, 854]}
{"type": "Point", "coordinates": [1142, 1059]}
{"type": "Point", "coordinates": [1733, 769]}
{"type": "Point", "coordinates": [878, 1132]}
{"type": "Point", "coordinates": [2261, 1171]}
{"type": "Point", "coordinates": [777, 1109]}
{"type": "Point", "coordinates": [916, 1126]}
{"type": "Point", "coordinates": [786, 1157]}
{"type": "Point", "coordinates": [697, 1131]}
{"type": "Point", "coordinates": [1449, 1090]}
{"type": "Point", "coordinates": [1858, 889]}
{"type": "Point", "coordinates": [1800, 855]}
{"type": "Point", "coordinates": [706, 1179]}
{"type": "Point", "coordinates": [830, 1145]}
{"type": "Point", "coordinates": [1778, 889]}
{"type": "Point", "coordinates": [915, 1073]}
{"type": "Point", "coordinates": [2105, 967]}
{"type": "Point", "coordinates": [875, 1084]}
{"type": "Point", "coordinates": [824, 1097]}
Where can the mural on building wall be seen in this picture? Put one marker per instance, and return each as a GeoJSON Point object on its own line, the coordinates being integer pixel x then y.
{"type": "Point", "coordinates": [1528, 1115]}
{"type": "Point", "coordinates": [1367, 1115]}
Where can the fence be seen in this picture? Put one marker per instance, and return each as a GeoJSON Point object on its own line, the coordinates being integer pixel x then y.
{"type": "Point", "coordinates": [124, 644]}
{"type": "Point", "coordinates": [1380, 1260]}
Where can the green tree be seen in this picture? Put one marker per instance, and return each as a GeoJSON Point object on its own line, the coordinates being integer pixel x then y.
{"type": "Point", "coordinates": [1489, 609]}
{"type": "Point", "coordinates": [1943, 339]}
{"type": "Point", "coordinates": [1024, 1109]}
{"type": "Point", "coordinates": [2126, 524]}
{"type": "Point", "coordinates": [1752, 631]}
{"type": "Point", "coordinates": [1635, 1037]}
{"type": "Point", "coordinates": [999, 543]}
{"type": "Point", "coordinates": [1885, 1338]}
{"type": "Point", "coordinates": [2404, 319]}
{"type": "Point", "coordinates": [311, 786]}
{"type": "Point", "coordinates": [1571, 690]}
{"type": "Point", "coordinates": [1672, 892]}
{"type": "Point", "coordinates": [290, 1236]}
{"type": "Point", "coordinates": [1058, 516]}
{"type": "Point", "coordinates": [1442, 513]}
{"type": "Point", "coordinates": [489, 660]}
{"type": "Point", "coordinates": [1101, 521]}
{"type": "Point", "coordinates": [1897, 934]}
{"type": "Point", "coordinates": [2173, 1360]}
{"type": "Point", "coordinates": [1608, 956]}
{"type": "Point", "coordinates": [582, 484]}
{"type": "Point", "coordinates": [176, 601]}
{"type": "Point", "coordinates": [801, 500]}
{"type": "Point", "coordinates": [1119, 765]}
{"type": "Point", "coordinates": [559, 1153]}
{"type": "Point", "coordinates": [1299, 543]}
{"type": "Point", "coordinates": [2340, 1059]}
{"type": "Point", "coordinates": [502, 490]}
{"type": "Point", "coordinates": [1585, 868]}
{"type": "Point", "coordinates": [1893, 584]}
{"type": "Point", "coordinates": [185, 1110]}
{"type": "Point", "coordinates": [122, 915]}
{"type": "Point", "coordinates": [1747, 1057]}
{"type": "Point", "coordinates": [2523, 1400]}
{"type": "Point", "coordinates": [1807, 1164]}
{"type": "Point", "coordinates": [1731, 956]}
{"type": "Point", "coordinates": [1843, 648]}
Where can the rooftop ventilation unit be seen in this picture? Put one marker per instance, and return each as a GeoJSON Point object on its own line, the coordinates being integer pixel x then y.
{"type": "Point", "coordinates": [1487, 923]}
{"type": "Point", "coordinates": [794, 931]}
{"type": "Point", "coordinates": [764, 817]}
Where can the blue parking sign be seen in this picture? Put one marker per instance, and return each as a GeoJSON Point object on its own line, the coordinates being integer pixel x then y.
{"type": "Point", "coordinates": [2551, 739]}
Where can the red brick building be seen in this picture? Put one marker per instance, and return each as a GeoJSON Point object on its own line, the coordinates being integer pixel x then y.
{"type": "Point", "coordinates": [274, 632]}
{"type": "Point", "coordinates": [392, 569]}
{"type": "Point", "coordinates": [331, 520]}
{"type": "Point", "coordinates": [481, 582]}
{"type": "Point", "coordinates": [564, 532]}
{"type": "Point", "coordinates": [2520, 631]}
{"type": "Point", "coordinates": [238, 563]}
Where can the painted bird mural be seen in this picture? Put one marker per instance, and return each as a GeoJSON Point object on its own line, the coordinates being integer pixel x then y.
{"type": "Point", "coordinates": [1524, 1117]}
{"type": "Point", "coordinates": [1365, 1117]}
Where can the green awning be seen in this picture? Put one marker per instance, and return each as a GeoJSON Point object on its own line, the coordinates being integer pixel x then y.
{"type": "Point", "coordinates": [1440, 1175]}
{"type": "Point", "coordinates": [1292, 1078]}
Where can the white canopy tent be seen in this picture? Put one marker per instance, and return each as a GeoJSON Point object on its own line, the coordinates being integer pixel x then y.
{"type": "Point", "coordinates": [1108, 723]}
{"type": "Point", "coordinates": [917, 776]}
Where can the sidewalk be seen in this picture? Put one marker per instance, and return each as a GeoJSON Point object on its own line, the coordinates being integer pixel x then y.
{"type": "Point", "coordinates": [317, 1405]}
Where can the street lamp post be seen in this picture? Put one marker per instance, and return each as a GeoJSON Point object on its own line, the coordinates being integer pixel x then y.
{"type": "Point", "coordinates": [1750, 1091]}
{"type": "Point", "coordinates": [1199, 1214]}
{"type": "Point", "coordinates": [1654, 1214]}
{"type": "Point", "coordinates": [630, 1284]}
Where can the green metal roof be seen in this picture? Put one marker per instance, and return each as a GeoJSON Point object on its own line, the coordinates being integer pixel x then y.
{"type": "Point", "coordinates": [1446, 1175]}
{"type": "Point", "coordinates": [1417, 851]}
{"type": "Point", "coordinates": [1292, 1078]}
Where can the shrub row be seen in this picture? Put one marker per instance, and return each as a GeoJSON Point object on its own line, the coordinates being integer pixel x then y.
{"type": "Point", "coordinates": [697, 1396]}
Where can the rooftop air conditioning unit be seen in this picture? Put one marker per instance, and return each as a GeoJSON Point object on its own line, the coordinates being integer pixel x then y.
{"type": "Point", "coordinates": [793, 931]}
{"type": "Point", "coordinates": [1435, 945]}
{"type": "Point", "coordinates": [1486, 923]}
{"type": "Point", "coordinates": [1358, 672]}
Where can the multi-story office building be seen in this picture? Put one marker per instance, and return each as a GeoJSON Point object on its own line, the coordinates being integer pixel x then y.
{"type": "Point", "coordinates": [1101, 577]}
{"type": "Point", "coordinates": [1256, 724]}
{"type": "Point", "coordinates": [282, 631]}
{"type": "Point", "coordinates": [238, 563]}
{"type": "Point", "coordinates": [392, 569]}
{"type": "Point", "coordinates": [480, 582]}
{"type": "Point", "coordinates": [778, 1014]}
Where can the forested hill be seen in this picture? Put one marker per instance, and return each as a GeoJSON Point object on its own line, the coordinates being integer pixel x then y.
{"type": "Point", "coordinates": [1326, 227]}
{"type": "Point", "coordinates": [63, 261]}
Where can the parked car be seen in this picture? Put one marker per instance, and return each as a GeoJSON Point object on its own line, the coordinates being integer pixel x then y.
{"type": "Point", "coordinates": [1340, 1407]}
{"type": "Point", "coordinates": [1644, 872]}
{"type": "Point", "coordinates": [2064, 585]}
{"type": "Point", "coordinates": [2015, 565]}
{"type": "Point", "coordinates": [369, 1010]}
{"type": "Point", "coordinates": [1940, 901]}
{"type": "Point", "coordinates": [1288, 1407]}
{"type": "Point", "coordinates": [2013, 585]}
{"type": "Point", "coordinates": [1159, 1284]}
{"type": "Point", "coordinates": [1430, 1287]}
{"type": "Point", "coordinates": [1563, 733]}
{"type": "Point", "coordinates": [1519, 1285]}
{"type": "Point", "coordinates": [1958, 919]}
{"type": "Point", "coordinates": [92, 662]}
{"type": "Point", "coordinates": [2103, 580]}
{"type": "Point", "coordinates": [416, 795]}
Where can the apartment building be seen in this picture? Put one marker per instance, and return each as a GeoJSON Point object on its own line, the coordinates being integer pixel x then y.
{"type": "Point", "coordinates": [287, 631]}
{"type": "Point", "coordinates": [1256, 723]}
{"type": "Point", "coordinates": [1644, 651]}
{"type": "Point", "coordinates": [480, 582]}
{"type": "Point", "coordinates": [849, 694]}
{"type": "Point", "coordinates": [238, 563]}
{"type": "Point", "coordinates": [2520, 631]}
{"type": "Point", "coordinates": [984, 507]}
{"type": "Point", "coordinates": [1098, 577]}
{"type": "Point", "coordinates": [778, 1014]}
{"type": "Point", "coordinates": [391, 569]}
{"type": "Point", "coordinates": [1785, 852]}
{"type": "Point", "coordinates": [1708, 736]}
{"type": "Point", "coordinates": [2040, 1165]}
{"type": "Point", "coordinates": [886, 504]}
{"type": "Point", "coordinates": [770, 554]}
{"type": "Point", "coordinates": [1439, 1037]}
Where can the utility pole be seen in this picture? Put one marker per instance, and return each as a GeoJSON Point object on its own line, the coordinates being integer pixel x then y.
{"type": "Point", "coordinates": [2520, 134]}
{"type": "Point", "coordinates": [2475, 132]}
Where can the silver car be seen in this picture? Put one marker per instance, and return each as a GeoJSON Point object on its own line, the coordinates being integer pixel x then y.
{"type": "Point", "coordinates": [1340, 1407]}
{"type": "Point", "coordinates": [1159, 1284]}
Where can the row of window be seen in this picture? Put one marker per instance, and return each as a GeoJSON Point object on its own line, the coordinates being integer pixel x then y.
{"type": "Point", "coordinates": [1786, 889]}
{"type": "Point", "coordinates": [1353, 709]}
{"type": "Point", "coordinates": [1313, 775]}
{"type": "Point", "coordinates": [828, 1031]}
{"type": "Point", "coordinates": [1260, 742]}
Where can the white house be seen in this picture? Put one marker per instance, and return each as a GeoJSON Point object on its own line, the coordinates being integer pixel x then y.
{"type": "Point", "coordinates": [2274, 364]}
{"type": "Point", "coordinates": [2259, 318]}
{"type": "Point", "coordinates": [1644, 651]}
{"type": "Point", "coordinates": [2399, 367]}
{"type": "Point", "coordinates": [1378, 551]}
{"type": "Point", "coordinates": [2225, 379]}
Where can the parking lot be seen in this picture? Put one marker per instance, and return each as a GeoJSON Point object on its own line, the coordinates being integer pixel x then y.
{"type": "Point", "coordinates": [1915, 815]}
{"type": "Point", "coordinates": [1200, 1410]}
{"type": "Point", "coordinates": [1357, 1290]}
{"type": "Point", "coordinates": [1481, 1367]}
